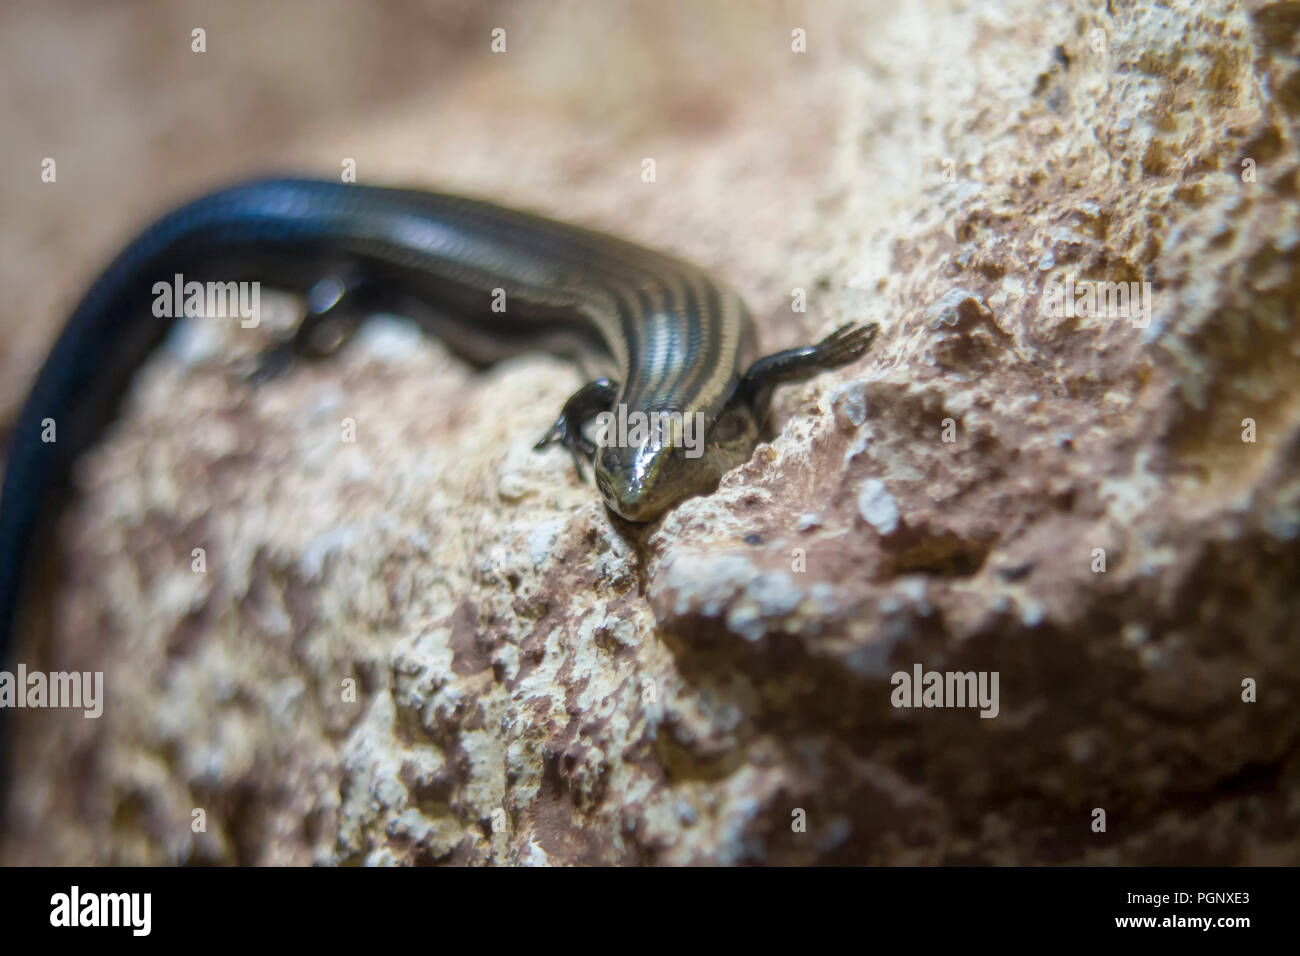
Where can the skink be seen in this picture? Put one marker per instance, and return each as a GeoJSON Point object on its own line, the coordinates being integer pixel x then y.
{"type": "Point", "coordinates": [488, 280]}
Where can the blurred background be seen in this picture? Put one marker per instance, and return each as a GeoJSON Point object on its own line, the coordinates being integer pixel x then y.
{"type": "Point", "coordinates": [137, 122]}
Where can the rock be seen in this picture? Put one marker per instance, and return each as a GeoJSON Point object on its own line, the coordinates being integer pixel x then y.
{"type": "Point", "coordinates": [878, 507]}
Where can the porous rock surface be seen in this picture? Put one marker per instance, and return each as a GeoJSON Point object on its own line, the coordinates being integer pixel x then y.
{"type": "Point", "coordinates": [431, 644]}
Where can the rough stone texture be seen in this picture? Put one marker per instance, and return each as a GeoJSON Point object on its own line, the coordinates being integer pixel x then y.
{"type": "Point", "coordinates": [538, 683]}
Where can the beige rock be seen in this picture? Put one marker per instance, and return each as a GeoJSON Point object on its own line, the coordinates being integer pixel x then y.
{"type": "Point", "coordinates": [538, 683]}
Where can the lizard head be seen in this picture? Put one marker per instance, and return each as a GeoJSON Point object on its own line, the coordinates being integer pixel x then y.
{"type": "Point", "coordinates": [661, 457]}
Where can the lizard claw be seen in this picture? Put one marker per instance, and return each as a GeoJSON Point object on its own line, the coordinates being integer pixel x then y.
{"type": "Point", "coordinates": [847, 343]}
